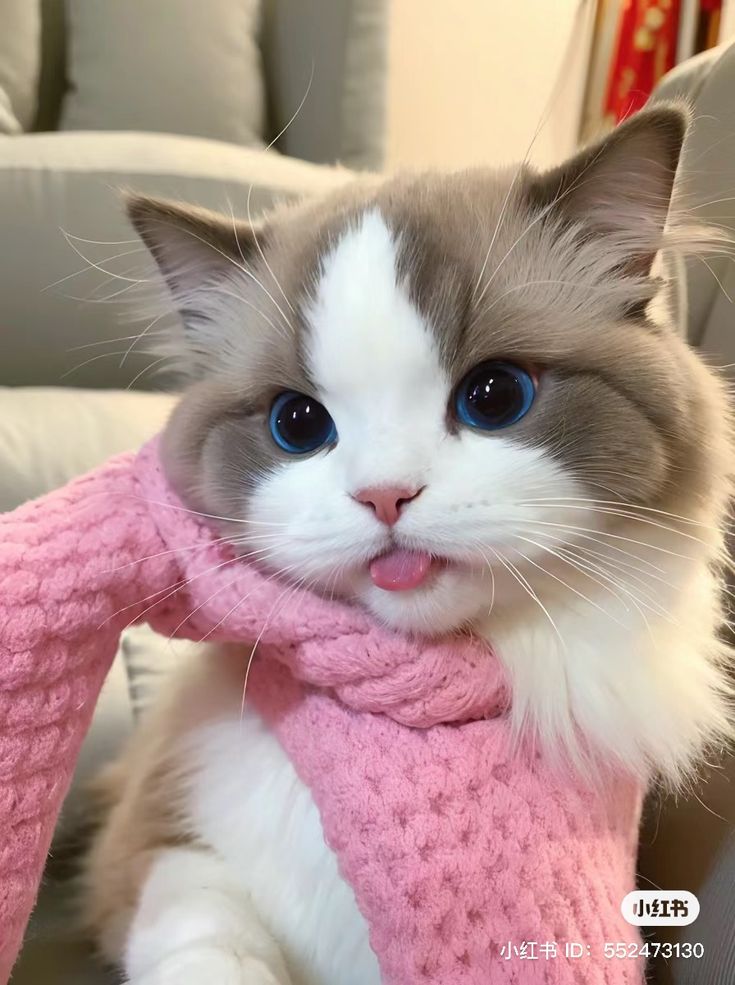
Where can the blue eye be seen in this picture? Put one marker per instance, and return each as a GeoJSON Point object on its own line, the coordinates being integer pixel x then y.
{"type": "Point", "coordinates": [300, 424]}
{"type": "Point", "coordinates": [494, 395]}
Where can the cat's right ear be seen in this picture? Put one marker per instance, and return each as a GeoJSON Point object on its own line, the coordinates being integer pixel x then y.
{"type": "Point", "coordinates": [191, 246]}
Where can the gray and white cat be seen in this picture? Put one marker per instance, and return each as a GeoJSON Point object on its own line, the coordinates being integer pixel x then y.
{"type": "Point", "coordinates": [447, 398]}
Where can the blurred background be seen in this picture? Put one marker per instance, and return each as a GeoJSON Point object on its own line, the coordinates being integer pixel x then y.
{"type": "Point", "coordinates": [228, 102]}
{"type": "Point", "coordinates": [579, 67]}
{"type": "Point", "coordinates": [241, 104]}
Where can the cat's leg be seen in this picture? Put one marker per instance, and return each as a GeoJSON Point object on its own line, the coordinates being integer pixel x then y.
{"type": "Point", "coordinates": [195, 926]}
{"type": "Point", "coordinates": [209, 847]}
{"type": "Point", "coordinates": [156, 896]}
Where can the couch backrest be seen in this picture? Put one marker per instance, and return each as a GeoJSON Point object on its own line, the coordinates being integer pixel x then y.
{"type": "Point", "coordinates": [706, 185]}
{"type": "Point", "coordinates": [345, 41]}
{"type": "Point", "coordinates": [53, 64]}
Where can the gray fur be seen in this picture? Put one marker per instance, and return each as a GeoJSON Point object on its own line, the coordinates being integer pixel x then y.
{"type": "Point", "coordinates": [563, 289]}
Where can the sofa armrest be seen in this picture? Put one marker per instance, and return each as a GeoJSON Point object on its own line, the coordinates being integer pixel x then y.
{"type": "Point", "coordinates": [705, 184]}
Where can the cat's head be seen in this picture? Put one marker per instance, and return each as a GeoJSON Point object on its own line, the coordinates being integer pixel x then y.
{"type": "Point", "coordinates": [415, 391]}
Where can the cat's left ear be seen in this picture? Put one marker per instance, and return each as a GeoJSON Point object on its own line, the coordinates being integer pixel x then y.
{"type": "Point", "coordinates": [191, 246]}
{"type": "Point", "coordinates": [621, 187]}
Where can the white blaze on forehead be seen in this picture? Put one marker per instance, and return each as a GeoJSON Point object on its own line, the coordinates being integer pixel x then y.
{"type": "Point", "coordinates": [366, 337]}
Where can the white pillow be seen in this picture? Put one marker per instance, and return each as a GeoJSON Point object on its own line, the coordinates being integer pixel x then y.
{"type": "Point", "coordinates": [170, 66]}
{"type": "Point", "coordinates": [50, 434]}
{"type": "Point", "coordinates": [20, 52]}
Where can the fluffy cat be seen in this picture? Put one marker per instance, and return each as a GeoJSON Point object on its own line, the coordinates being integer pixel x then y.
{"type": "Point", "coordinates": [450, 399]}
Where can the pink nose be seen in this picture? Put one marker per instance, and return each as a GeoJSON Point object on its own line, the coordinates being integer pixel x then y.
{"type": "Point", "coordinates": [386, 501]}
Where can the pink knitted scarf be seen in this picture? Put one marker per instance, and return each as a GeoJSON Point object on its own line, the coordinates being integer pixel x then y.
{"type": "Point", "coordinates": [459, 848]}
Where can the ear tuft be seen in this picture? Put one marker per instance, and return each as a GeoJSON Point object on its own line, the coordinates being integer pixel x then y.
{"type": "Point", "coordinates": [189, 244]}
{"type": "Point", "coordinates": [198, 253]}
{"type": "Point", "coordinates": [622, 185]}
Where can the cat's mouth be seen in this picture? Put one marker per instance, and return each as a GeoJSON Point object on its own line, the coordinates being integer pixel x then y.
{"type": "Point", "coordinates": [400, 569]}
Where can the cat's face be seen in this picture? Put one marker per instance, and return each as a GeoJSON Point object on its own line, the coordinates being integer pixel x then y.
{"type": "Point", "coordinates": [400, 502]}
{"type": "Point", "coordinates": [415, 393]}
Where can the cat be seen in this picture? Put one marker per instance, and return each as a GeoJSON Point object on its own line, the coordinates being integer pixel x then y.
{"type": "Point", "coordinates": [457, 400]}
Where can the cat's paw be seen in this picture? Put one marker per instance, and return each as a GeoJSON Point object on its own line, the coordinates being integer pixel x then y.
{"type": "Point", "coordinates": [206, 965]}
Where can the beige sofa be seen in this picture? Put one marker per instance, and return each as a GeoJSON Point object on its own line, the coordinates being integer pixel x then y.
{"type": "Point", "coordinates": [689, 843]}
{"type": "Point", "coordinates": [325, 56]}
{"type": "Point", "coordinates": [47, 435]}
{"type": "Point", "coordinates": [706, 185]}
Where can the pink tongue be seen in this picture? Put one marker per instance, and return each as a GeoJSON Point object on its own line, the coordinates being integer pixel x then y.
{"type": "Point", "coordinates": [398, 571]}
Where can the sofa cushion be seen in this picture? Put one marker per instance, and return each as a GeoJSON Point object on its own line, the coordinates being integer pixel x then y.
{"type": "Point", "coordinates": [51, 182]}
{"type": "Point", "coordinates": [20, 41]}
{"type": "Point", "coordinates": [49, 435]}
{"type": "Point", "coordinates": [173, 66]}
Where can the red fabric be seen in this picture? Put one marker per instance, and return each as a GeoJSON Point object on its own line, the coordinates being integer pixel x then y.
{"type": "Point", "coordinates": [644, 51]}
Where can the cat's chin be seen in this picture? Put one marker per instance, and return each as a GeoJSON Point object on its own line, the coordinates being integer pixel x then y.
{"type": "Point", "coordinates": [452, 598]}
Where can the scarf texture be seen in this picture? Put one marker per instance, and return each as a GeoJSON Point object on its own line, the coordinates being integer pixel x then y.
{"type": "Point", "coordinates": [460, 848]}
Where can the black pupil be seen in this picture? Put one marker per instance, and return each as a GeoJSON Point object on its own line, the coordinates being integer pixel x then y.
{"type": "Point", "coordinates": [495, 395]}
{"type": "Point", "coordinates": [304, 423]}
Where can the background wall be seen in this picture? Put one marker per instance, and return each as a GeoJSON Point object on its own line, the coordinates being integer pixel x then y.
{"type": "Point", "coordinates": [470, 81]}
{"type": "Point", "coordinates": [727, 28]}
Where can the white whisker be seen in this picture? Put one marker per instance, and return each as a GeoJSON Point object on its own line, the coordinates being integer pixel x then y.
{"type": "Point", "coordinates": [146, 369]}
{"type": "Point", "coordinates": [91, 265]}
{"type": "Point", "coordinates": [210, 516]}
{"type": "Point", "coordinates": [239, 266]}
{"type": "Point", "coordinates": [525, 585]}
{"type": "Point", "coordinates": [93, 359]}
{"type": "Point", "coordinates": [97, 266]}
{"type": "Point", "coordinates": [607, 533]}
{"type": "Point", "coordinates": [262, 254]}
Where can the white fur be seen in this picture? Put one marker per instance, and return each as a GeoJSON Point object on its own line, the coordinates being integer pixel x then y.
{"type": "Point", "coordinates": [266, 874]}
{"type": "Point", "coordinates": [195, 923]}
{"type": "Point", "coordinates": [262, 820]}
